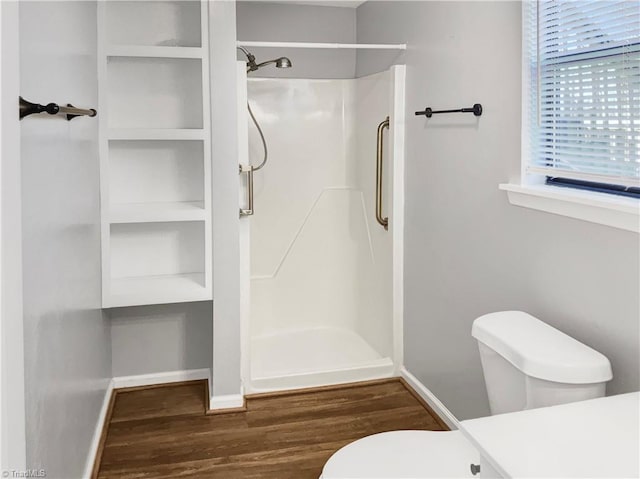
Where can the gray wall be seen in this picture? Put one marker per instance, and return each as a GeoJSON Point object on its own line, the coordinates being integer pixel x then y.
{"type": "Point", "coordinates": [12, 394]}
{"type": "Point", "coordinates": [155, 339]}
{"type": "Point", "coordinates": [67, 339]}
{"type": "Point", "coordinates": [260, 21]}
{"type": "Point", "coordinates": [469, 252]}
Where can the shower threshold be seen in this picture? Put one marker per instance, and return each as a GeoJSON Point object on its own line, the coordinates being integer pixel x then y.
{"type": "Point", "coordinates": [311, 357]}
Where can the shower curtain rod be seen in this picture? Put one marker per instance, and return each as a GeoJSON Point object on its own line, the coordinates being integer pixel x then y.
{"type": "Point", "coordinates": [339, 46]}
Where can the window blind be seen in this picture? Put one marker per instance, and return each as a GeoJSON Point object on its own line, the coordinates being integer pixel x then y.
{"type": "Point", "coordinates": [584, 110]}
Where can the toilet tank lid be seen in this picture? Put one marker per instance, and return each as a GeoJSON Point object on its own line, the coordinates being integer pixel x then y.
{"type": "Point", "coordinates": [540, 350]}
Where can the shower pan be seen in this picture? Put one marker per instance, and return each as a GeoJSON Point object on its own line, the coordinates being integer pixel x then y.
{"type": "Point", "coordinates": [322, 273]}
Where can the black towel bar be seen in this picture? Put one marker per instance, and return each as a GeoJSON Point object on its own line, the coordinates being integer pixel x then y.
{"type": "Point", "coordinates": [28, 108]}
{"type": "Point", "coordinates": [475, 109]}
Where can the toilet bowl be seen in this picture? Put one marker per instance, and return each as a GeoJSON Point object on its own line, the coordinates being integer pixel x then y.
{"type": "Point", "coordinates": [526, 364]}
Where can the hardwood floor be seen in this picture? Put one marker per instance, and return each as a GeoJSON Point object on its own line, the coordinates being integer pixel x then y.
{"type": "Point", "coordinates": [163, 432]}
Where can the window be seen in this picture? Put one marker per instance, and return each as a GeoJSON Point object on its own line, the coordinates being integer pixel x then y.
{"type": "Point", "coordinates": [582, 114]}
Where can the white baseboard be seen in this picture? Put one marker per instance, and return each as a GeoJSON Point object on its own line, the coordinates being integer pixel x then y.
{"type": "Point", "coordinates": [133, 381]}
{"type": "Point", "coordinates": [97, 433]}
{"type": "Point", "coordinates": [227, 401]}
{"type": "Point", "coordinates": [433, 402]}
{"type": "Point", "coordinates": [160, 378]}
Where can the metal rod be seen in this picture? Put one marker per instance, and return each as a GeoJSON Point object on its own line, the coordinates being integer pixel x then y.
{"type": "Point", "coordinates": [339, 46]}
{"type": "Point", "coordinates": [379, 170]}
{"type": "Point", "coordinates": [73, 111]}
{"type": "Point", "coordinates": [249, 171]}
{"type": "Point", "coordinates": [27, 108]}
{"type": "Point", "coordinates": [475, 109]}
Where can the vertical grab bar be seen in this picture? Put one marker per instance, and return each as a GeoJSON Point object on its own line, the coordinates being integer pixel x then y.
{"type": "Point", "coordinates": [249, 171]}
{"type": "Point", "coordinates": [379, 184]}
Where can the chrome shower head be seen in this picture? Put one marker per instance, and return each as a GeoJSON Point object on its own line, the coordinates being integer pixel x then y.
{"type": "Point", "coordinates": [283, 62]}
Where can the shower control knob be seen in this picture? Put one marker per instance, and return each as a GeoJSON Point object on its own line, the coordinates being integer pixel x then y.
{"type": "Point", "coordinates": [475, 469]}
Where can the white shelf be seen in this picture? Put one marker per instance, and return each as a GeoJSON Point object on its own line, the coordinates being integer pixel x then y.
{"type": "Point", "coordinates": [155, 152]}
{"type": "Point", "coordinates": [339, 46]}
{"type": "Point", "coordinates": [156, 134]}
{"type": "Point", "coordinates": [153, 51]}
{"type": "Point", "coordinates": [157, 212]}
{"type": "Point", "coordinates": [157, 290]}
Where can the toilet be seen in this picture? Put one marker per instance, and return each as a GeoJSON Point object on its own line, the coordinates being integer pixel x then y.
{"type": "Point", "coordinates": [526, 363]}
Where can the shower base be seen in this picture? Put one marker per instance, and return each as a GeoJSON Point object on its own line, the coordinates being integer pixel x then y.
{"type": "Point", "coordinates": [313, 357]}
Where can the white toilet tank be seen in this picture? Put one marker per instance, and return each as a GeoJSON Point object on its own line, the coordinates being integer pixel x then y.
{"type": "Point", "coordinates": [529, 364]}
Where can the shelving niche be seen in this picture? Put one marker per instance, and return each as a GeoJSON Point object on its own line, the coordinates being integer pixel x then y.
{"type": "Point", "coordinates": [154, 93]}
{"type": "Point", "coordinates": [154, 152]}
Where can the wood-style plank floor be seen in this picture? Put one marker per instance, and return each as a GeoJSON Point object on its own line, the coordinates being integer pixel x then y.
{"type": "Point", "coordinates": [163, 432]}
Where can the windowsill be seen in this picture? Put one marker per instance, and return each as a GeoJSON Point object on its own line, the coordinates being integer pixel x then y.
{"type": "Point", "coordinates": [601, 208]}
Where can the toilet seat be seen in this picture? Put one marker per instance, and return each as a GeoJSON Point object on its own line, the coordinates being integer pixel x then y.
{"type": "Point", "coordinates": [403, 454]}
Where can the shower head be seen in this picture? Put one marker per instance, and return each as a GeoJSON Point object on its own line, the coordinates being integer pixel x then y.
{"type": "Point", "coordinates": [282, 62]}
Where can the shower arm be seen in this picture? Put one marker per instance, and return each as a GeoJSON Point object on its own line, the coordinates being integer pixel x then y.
{"type": "Point", "coordinates": [260, 65]}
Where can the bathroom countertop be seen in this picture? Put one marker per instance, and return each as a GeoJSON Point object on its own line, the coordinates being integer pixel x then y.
{"type": "Point", "coordinates": [594, 438]}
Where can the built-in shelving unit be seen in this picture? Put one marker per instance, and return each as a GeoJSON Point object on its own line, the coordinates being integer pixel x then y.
{"type": "Point", "coordinates": [154, 152]}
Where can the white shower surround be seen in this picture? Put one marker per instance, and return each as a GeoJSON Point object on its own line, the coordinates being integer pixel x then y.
{"type": "Point", "coordinates": [324, 301]}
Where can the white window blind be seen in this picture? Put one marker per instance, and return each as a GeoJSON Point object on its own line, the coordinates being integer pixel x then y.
{"type": "Point", "coordinates": [584, 73]}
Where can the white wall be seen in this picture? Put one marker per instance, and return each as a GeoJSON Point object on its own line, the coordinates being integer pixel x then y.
{"type": "Point", "coordinates": [225, 361]}
{"type": "Point", "coordinates": [67, 338]}
{"type": "Point", "coordinates": [469, 252]}
{"type": "Point", "coordinates": [156, 339]}
{"type": "Point", "coordinates": [261, 21]}
{"type": "Point", "coordinates": [12, 410]}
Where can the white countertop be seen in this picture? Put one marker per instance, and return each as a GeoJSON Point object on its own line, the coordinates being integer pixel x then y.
{"type": "Point", "coordinates": [594, 438]}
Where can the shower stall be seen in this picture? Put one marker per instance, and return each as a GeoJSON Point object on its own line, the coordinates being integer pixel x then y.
{"type": "Point", "coordinates": [322, 272]}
